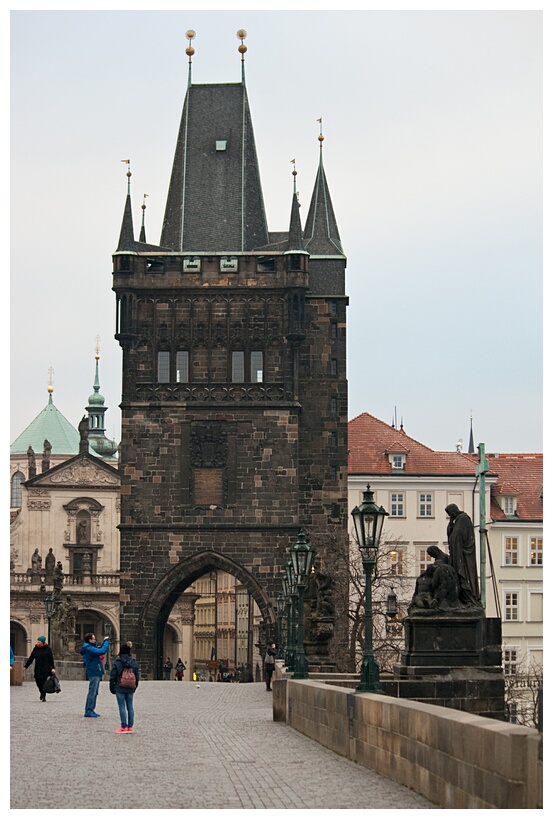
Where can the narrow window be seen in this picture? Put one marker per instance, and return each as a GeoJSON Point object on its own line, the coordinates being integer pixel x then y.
{"type": "Point", "coordinates": [397, 504]}
{"type": "Point", "coordinates": [510, 662]}
{"type": "Point", "coordinates": [511, 551]}
{"type": "Point", "coordinates": [334, 366]}
{"type": "Point", "coordinates": [182, 366]}
{"type": "Point", "coordinates": [237, 375]}
{"type": "Point", "coordinates": [333, 330]}
{"type": "Point", "coordinates": [396, 561]}
{"type": "Point", "coordinates": [17, 480]}
{"type": "Point", "coordinates": [163, 364]}
{"type": "Point", "coordinates": [536, 551]}
{"type": "Point", "coordinates": [256, 366]}
{"type": "Point", "coordinates": [425, 560]}
{"type": "Point", "coordinates": [425, 505]}
{"type": "Point", "coordinates": [334, 406]}
{"type": "Point", "coordinates": [511, 606]}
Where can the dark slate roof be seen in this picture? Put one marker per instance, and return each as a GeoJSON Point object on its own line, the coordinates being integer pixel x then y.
{"type": "Point", "coordinates": [321, 236]}
{"type": "Point", "coordinates": [295, 236]}
{"type": "Point", "coordinates": [215, 201]}
{"type": "Point", "coordinates": [370, 441]}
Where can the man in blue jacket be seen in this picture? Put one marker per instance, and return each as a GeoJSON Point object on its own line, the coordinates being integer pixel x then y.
{"type": "Point", "coordinates": [93, 656]}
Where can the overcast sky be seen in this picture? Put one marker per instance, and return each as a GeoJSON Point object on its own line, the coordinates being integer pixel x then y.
{"type": "Point", "coordinates": [433, 154]}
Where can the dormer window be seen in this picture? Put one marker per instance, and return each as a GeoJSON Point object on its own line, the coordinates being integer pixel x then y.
{"type": "Point", "coordinates": [397, 456]}
{"type": "Point", "coordinates": [509, 505]}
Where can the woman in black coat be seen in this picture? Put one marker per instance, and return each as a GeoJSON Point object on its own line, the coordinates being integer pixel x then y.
{"type": "Point", "coordinates": [44, 664]}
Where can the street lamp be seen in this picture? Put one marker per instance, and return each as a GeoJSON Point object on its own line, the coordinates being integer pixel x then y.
{"type": "Point", "coordinates": [107, 632]}
{"type": "Point", "coordinates": [280, 613]}
{"type": "Point", "coordinates": [392, 611]}
{"type": "Point", "coordinates": [293, 593]}
{"type": "Point", "coordinates": [302, 558]}
{"type": "Point", "coordinates": [49, 605]}
{"type": "Point", "coordinates": [368, 520]}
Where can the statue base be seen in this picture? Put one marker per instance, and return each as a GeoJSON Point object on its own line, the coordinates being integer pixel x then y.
{"type": "Point", "coordinates": [453, 661]}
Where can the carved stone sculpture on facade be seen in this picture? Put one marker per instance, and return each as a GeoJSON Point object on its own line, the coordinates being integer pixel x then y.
{"type": "Point", "coordinates": [36, 562]}
{"type": "Point", "coordinates": [65, 620]}
{"type": "Point", "coordinates": [50, 563]}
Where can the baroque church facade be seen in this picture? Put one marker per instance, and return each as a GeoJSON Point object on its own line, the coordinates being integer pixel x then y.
{"type": "Point", "coordinates": [234, 404]}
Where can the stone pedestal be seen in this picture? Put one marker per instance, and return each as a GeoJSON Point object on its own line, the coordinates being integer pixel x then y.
{"type": "Point", "coordinates": [453, 661]}
{"type": "Point", "coordinates": [317, 645]}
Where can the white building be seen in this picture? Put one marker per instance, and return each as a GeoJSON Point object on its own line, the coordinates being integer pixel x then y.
{"type": "Point", "coordinates": [414, 484]}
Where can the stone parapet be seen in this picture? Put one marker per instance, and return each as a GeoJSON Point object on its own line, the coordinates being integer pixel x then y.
{"type": "Point", "coordinates": [455, 759]}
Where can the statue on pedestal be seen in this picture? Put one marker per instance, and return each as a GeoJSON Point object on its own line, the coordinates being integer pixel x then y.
{"type": "Point", "coordinates": [36, 562]}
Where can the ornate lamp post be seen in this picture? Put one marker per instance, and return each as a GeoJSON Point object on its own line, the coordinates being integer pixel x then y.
{"type": "Point", "coordinates": [368, 520]}
{"type": "Point", "coordinates": [393, 626]}
{"type": "Point", "coordinates": [107, 632]}
{"type": "Point", "coordinates": [49, 605]}
{"type": "Point", "coordinates": [280, 613]}
{"type": "Point", "coordinates": [292, 585]}
{"type": "Point", "coordinates": [288, 604]}
{"type": "Point", "coordinates": [302, 558]}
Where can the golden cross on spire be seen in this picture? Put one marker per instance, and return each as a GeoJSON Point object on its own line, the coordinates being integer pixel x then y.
{"type": "Point", "coordinates": [50, 379]}
{"type": "Point", "coordinates": [97, 346]}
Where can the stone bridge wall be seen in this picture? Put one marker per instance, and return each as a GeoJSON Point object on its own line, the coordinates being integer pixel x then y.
{"type": "Point", "coordinates": [453, 758]}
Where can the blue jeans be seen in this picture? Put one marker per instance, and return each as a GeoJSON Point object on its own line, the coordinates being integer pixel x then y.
{"type": "Point", "coordinates": [93, 686]}
{"type": "Point", "coordinates": [126, 710]}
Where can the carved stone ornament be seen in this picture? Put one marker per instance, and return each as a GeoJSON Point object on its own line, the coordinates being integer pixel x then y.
{"type": "Point", "coordinates": [84, 472]}
{"type": "Point", "coordinates": [208, 446]}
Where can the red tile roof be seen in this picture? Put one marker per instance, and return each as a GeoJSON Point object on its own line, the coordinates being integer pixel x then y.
{"type": "Point", "coordinates": [519, 474]}
{"type": "Point", "coordinates": [370, 441]}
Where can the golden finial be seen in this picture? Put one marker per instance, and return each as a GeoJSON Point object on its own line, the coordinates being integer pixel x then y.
{"type": "Point", "coordinates": [294, 172]}
{"type": "Point", "coordinates": [190, 34]}
{"type": "Point", "coordinates": [144, 201]}
{"type": "Point", "coordinates": [97, 356]}
{"type": "Point", "coordinates": [50, 380]}
{"type": "Point", "coordinates": [242, 34]}
{"type": "Point", "coordinates": [320, 137]}
{"type": "Point", "coordinates": [127, 162]}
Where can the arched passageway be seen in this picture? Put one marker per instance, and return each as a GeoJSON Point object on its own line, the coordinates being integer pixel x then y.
{"type": "Point", "coordinates": [157, 638]}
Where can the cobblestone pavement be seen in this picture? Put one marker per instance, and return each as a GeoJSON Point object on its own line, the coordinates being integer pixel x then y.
{"type": "Point", "coordinates": [210, 746]}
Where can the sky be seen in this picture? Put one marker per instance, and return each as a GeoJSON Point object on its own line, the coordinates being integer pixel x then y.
{"type": "Point", "coordinates": [433, 154]}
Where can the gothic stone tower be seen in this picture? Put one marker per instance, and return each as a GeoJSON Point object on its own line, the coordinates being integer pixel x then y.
{"type": "Point", "coordinates": [234, 396]}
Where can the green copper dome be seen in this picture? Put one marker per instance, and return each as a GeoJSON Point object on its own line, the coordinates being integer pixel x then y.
{"type": "Point", "coordinates": [52, 425]}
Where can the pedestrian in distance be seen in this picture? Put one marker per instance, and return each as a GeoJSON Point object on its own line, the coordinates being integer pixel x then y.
{"type": "Point", "coordinates": [43, 659]}
{"type": "Point", "coordinates": [92, 655]}
{"type": "Point", "coordinates": [167, 666]}
{"type": "Point", "coordinates": [180, 668]}
{"type": "Point", "coordinates": [269, 665]}
{"type": "Point", "coordinates": [123, 682]}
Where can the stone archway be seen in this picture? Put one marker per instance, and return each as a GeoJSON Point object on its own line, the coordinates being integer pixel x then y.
{"type": "Point", "coordinates": [156, 610]}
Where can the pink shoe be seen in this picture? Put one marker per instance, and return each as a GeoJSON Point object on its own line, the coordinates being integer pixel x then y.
{"type": "Point", "coordinates": [128, 730]}
{"type": "Point", "coordinates": [121, 730]}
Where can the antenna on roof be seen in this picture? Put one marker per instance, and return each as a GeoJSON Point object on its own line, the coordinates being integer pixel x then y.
{"type": "Point", "coordinates": [190, 34]}
{"type": "Point", "coordinates": [459, 445]}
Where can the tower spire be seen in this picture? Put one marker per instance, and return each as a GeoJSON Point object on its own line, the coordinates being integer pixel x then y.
{"type": "Point", "coordinates": [321, 229]}
{"type": "Point", "coordinates": [142, 237]}
{"type": "Point", "coordinates": [242, 34]}
{"type": "Point", "coordinates": [295, 235]}
{"type": "Point", "coordinates": [126, 236]}
{"type": "Point", "coordinates": [190, 34]}
{"type": "Point", "coordinates": [471, 438]}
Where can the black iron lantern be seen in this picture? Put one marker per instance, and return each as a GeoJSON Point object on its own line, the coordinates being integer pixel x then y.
{"type": "Point", "coordinates": [302, 558]}
{"type": "Point", "coordinates": [368, 520]}
{"type": "Point", "coordinates": [391, 605]}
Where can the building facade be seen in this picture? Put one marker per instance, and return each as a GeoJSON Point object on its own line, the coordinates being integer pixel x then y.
{"type": "Point", "coordinates": [414, 484]}
{"type": "Point", "coordinates": [234, 406]}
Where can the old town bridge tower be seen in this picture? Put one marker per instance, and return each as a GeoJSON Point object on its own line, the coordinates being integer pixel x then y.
{"type": "Point", "coordinates": [234, 390]}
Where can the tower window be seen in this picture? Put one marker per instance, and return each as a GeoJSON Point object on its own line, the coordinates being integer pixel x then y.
{"type": "Point", "coordinates": [237, 375]}
{"type": "Point", "coordinates": [256, 366]}
{"type": "Point", "coordinates": [334, 366]}
{"type": "Point", "coordinates": [163, 365]}
{"type": "Point", "coordinates": [182, 366]}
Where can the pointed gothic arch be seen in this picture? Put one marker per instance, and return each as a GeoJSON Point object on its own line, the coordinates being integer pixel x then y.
{"type": "Point", "coordinates": [158, 605]}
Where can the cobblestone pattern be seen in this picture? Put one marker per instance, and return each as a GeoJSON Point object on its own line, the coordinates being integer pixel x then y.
{"type": "Point", "coordinates": [210, 746]}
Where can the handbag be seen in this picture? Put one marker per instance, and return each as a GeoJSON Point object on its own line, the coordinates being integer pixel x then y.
{"type": "Point", "coordinates": [51, 685]}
